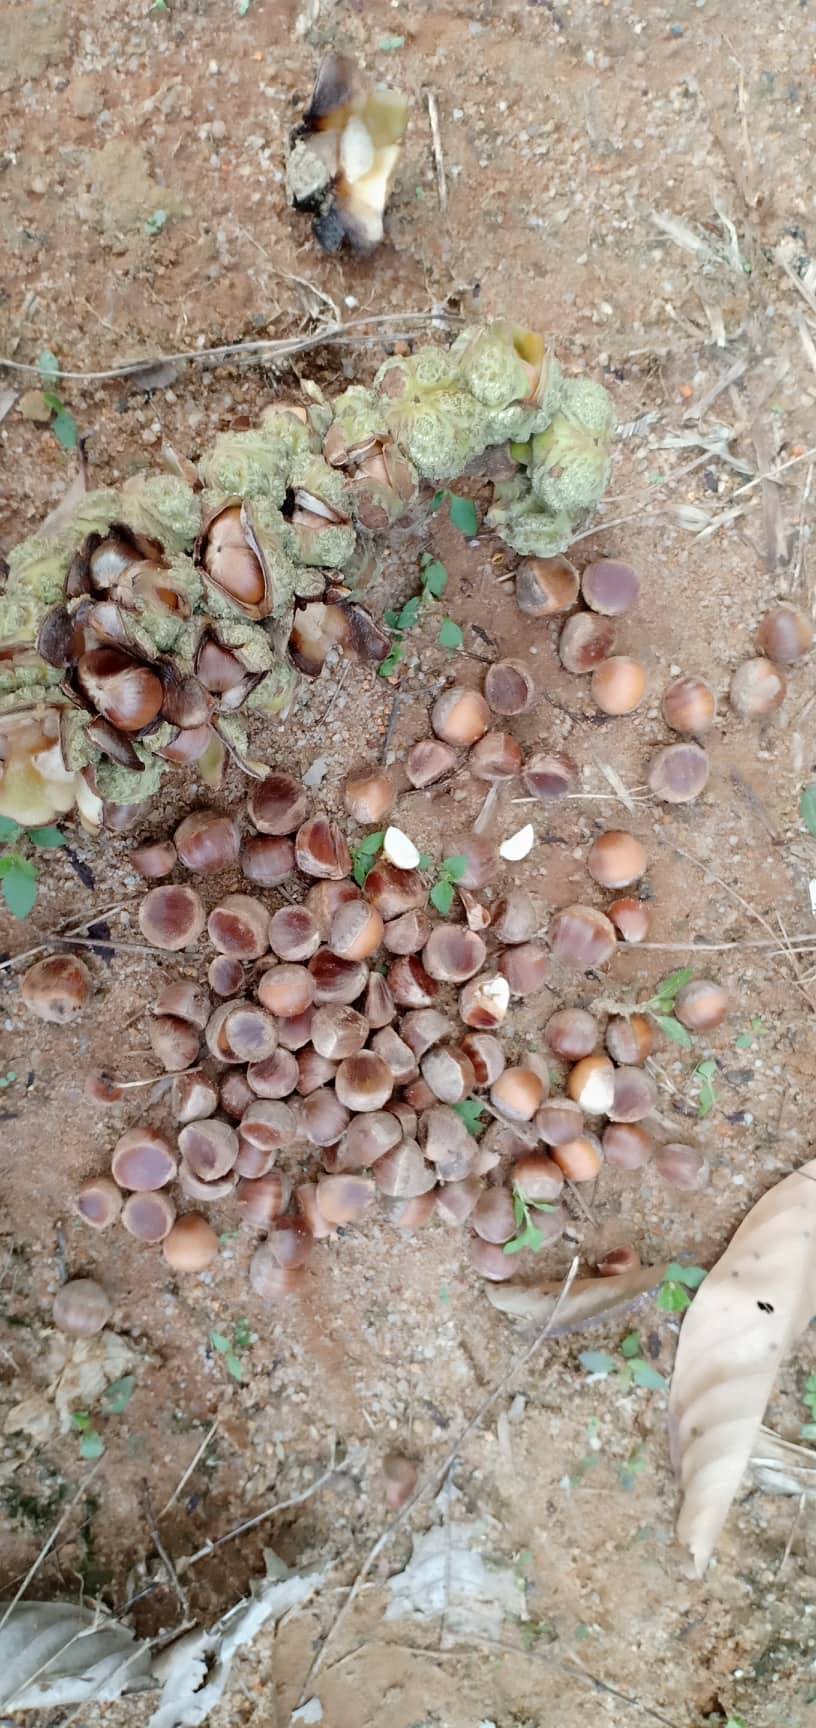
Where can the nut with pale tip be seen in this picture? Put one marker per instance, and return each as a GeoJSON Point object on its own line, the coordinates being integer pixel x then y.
{"type": "Point", "coordinates": [294, 933]}
{"type": "Point", "coordinates": [586, 639]}
{"type": "Point", "coordinates": [321, 849]}
{"type": "Point", "coordinates": [514, 917]}
{"type": "Point", "coordinates": [479, 858]}
{"type": "Point", "coordinates": [56, 989]}
{"type": "Point", "coordinates": [618, 685]}
{"type": "Point", "coordinates": [486, 1057]}
{"type": "Point", "coordinates": [394, 891]}
{"type": "Point", "coordinates": [429, 760]}
{"type": "Point", "coordinates": [287, 990]}
{"type": "Point", "coordinates": [631, 918]}
{"type": "Point", "coordinates": [785, 635]}
{"type": "Point", "coordinates": [81, 1307]}
{"type": "Point", "coordinates": [518, 1094]}
{"type": "Point", "coordinates": [591, 1084]}
{"type": "Point", "coordinates": [313, 1071]}
{"type": "Point", "coordinates": [174, 1042]}
{"type": "Point", "coordinates": [267, 1124]}
{"type": "Point", "coordinates": [98, 1202]}
{"type": "Point", "coordinates": [363, 1082]}
{"type": "Point", "coordinates": [459, 716]}
{"type": "Point", "coordinates": [264, 1198]}
{"type": "Point", "coordinates": [545, 586]}
{"type": "Point", "coordinates": [338, 1031]}
{"type": "Point", "coordinates": [156, 858]}
{"type": "Point", "coordinates": [171, 916]}
{"type": "Point", "coordinates": [186, 1000]}
{"type": "Point", "coordinates": [252, 1161]}
{"type": "Point", "coordinates": [207, 842]}
{"type": "Point", "coordinates": [368, 1138]}
{"type": "Point", "coordinates": [336, 979]}
{"type": "Point", "coordinates": [325, 898]}
{"type": "Point", "coordinates": [277, 1076]}
{"type": "Point", "coordinates": [296, 1031]}
{"type": "Point", "coordinates": [410, 984]}
{"type": "Point", "coordinates": [448, 1072]}
{"type": "Point", "coordinates": [397, 1055]}
{"type": "Point", "coordinates": [537, 1177]}
{"type": "Point", "coordinates": [452, 954]}
{"type": "Point", "coordinates": [191, 1245]}
{"type": "Point", "coordinates": [345, 1198]}
{"type": "Point", "coordinates": [455, 1200]}
{"type": "Point", "coordinates": [357, 930]}
{"type": "Point", "coordinates": [559, 1119]}
{"type": "Point", "coordinates": [408, 1215]}
{"type": "Point", "coordinates": [195, 1188]}
{"type": "Point", "coordinates": [278, 804]}
{"type": "Point", "coordinates": [689, 705]}
{"type": "Point", "coordinates": [572, 1033]}
{"type": "Point", "coordinates": [308, 1206]}
{"type": "Point", "coordinates": [402, 1173]}
{"type": "Point", "coordinates": [616, 858]}
{"type": "Point", "coordinates": [581, 1159]}
{"type": "Point", "coordinates": [407, 934]}
{"type": "Point", "coordinates": [701, 1005]}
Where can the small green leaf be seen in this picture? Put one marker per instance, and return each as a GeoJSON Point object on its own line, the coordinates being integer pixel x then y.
{"type": "Point", "coordinates": [390, 44]}
{"type": "Point", "coordinates": [758, 1026]}
{"type": "Point", "coordinates": [519, 1209]}
{"type": "Point", "coordinates": [48, 366]}
{"type": "Point", "coordinates": [156, 222]}
{"type": "Point", "coordinates": [80, 1420]}
{"type": "Point", "coordinates": [807, 808]}
{"type": "Point", "coordinates": [453, 869]}
{"type": "Point", "coordinates": [706, 1099]}
{"type": "Point", "coordinates": [630, 1345]}
{"type": "Point", "coordinates": [53, 401]}
{"type": "Point", "coordinates": [20, 888]}
{"type": "Point", "coordinates": [450, 634]}
{"type": "Point", "coordinates": [673, 1298]}
{"type": "Point", "coordinates": [408, 615]}
{"type": "Point", "coordinates": [441, 896]}
{"type": "Point", "coordinates": [672, 1029]}
{"type": "Point", "coordinates": [692, 1276]}
{"type": "Point", "coordinates": [425, 861]}
{"type": "Point", "coordinates": [46, 838]}
{"type": "Point", "coordinates": [438, 500]}
{"type": "Point", "coordinates": [597, 1362]}
{"type": "Point", "coordinates": [242, 1335]}
{"type": "Point", "coordinates": [644, 1375]}
{"type": "Point", "coordinates": [670, 985]}
{"type": "Point", "coordinates": [391, 618]}
{"type": "Point", "coordinates": [9, 830]}
{"type": "Point", "coordinates": [388, 666]}
{"type": "Point", "coordinates": [91, 1445]}
{"type": "Point", "coordinates": [233, 1365]}
{"type": "Point", "coordinates": [435, 579]}
{"type": "Point", "coordinates": [808, 1432]}
{"type": "Point", "coordinates": [463, 515]}
{"type": "Point", "coordinates": [117, 1396]}
{"type": "Point", "coordinates": [471, 1111]}
{"type": "Point", "coordinates": [744, 1042]}
{"type": "Point", "coordinates": [220, 1342]}
{"type": "Point", "coordinates": [65, 431]}
{"type": "Point", "coordinates": [706, 1068]}
{"type": "Point", "coordinates": [371, 844]}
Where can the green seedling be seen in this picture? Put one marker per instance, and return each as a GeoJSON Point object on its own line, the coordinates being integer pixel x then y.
{"type": "Point", "coordinates": [528, 1234]}
{"type": "Point", "coordinates": [233, 1348]}
{"type": "Point", "coordinates": [450, 635]}
{"type": "Point", "coordinates": [661, 1006]}
{"type": "Point", "coordinates": [747, 1039]}
{"type": "Point", "coordinates": [807, 807]}
{"type": "Point", "coordinates": [462, 512]}
{"type": "Point", "coordinates": [117, 1396]}
{"type": "Point", "coordinates": [434, 581]}
{"type": "Point", "coordinates": [706, 1097]}
{"type": "Point", "coordinates": [7, 1079]}
{"type": "Point", "coordinates": [632, 1468]}
{"type": "Point", "coordinates": [673, 1296]}
{"type": "Point", "coordinates": [63, 425]}
{"type": "Point", "coordinates": [633, 1370]}
{"type": "Point", "coordinates": [115, 1399]}
{"type": "Point", "coordinates": [451, 871]}
{"type": "Point", "coordinates": [156, 223]}
{"type": "Point", "coordinates": [18, 873]}
{"type": "Point", "coordinates": [808, 1431]}
{"type": "Point", "coordinates": [472, 1111]}
{"type": "Point", "coordinates": [365, 857]}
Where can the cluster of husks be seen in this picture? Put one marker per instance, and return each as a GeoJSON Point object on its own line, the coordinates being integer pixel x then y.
{"type": "Point", "coordinates": [351, 1027]}
{"type": "Point", "coordinates": [166, 612]}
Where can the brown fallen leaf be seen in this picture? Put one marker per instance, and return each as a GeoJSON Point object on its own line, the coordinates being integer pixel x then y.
{"type": "Point", "coordinates": [760, 1295]}
{"type": "Point", "coordinates": [782, 1466]}
{"type": "Point", "coordinates": [589, 1302]}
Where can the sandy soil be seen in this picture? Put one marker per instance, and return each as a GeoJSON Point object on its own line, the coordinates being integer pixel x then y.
{"type": "Point", "coordinates": [565, 130]}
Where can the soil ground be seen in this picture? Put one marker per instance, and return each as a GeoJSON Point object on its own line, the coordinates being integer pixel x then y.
{"type": "Point", "coordinates": [567, 132]}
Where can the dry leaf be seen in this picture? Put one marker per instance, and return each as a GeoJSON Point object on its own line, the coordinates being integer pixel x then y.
{"type": "Point", "coordinates": [58, 1653]}
{"type": "Point", "coordinates": [92, 1364]}
{"type": "Point", "coordinates": [783, 1467]}
{"type": "Point", "coordinates": [64, 510]}
{"type": "Point", "coordinates": [760, 1295]}
{"type": "Point", "coordinates": [588, 1302]}
{"type": "Point", "coordinates": [454, 1576]}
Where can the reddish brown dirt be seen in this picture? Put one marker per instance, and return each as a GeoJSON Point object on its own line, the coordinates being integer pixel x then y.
{"type": "Point", "coordinates": [564, 129]}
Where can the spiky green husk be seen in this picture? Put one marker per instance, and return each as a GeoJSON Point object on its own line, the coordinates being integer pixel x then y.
{"type": "Point", "coordinates": [164, 508]}
{"type": "Point", "coordinates": [246, 465]}
{"type": "Point", "coordinates": [117, 785]}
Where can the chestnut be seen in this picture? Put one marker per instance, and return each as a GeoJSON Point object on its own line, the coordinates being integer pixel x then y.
{"type": "Point", "coordinates": [336, 979]}
{"type": "Point", "coordinates": [496, 757]}
{"type": "Point", "coordinates": [484, 1001]}
{"type": "Point", "coordinates": [610, 587]}
{"type": "Point", "coordinates": [269, 1126]}
{"type": "Point", "coordinates": [460, 716]}
{"type": "Point", "coordinates": [618, 685]}
{"type": "Point", "coordinates": [402, 1113]}
{"type": "Point", "coordinates": [338, 1031]}
{"type": "Point", "coordinates": [207, 842]}
{"type": "Point", "coordinates": [396, 1054]}
{"type": "Point", "coordinates": [485, 1055]}
{"type": "Point", "coordinates": [550, 775]}
{"type": "Point", "coordinates": [635, 1095]}
{"type": "Point", "coordinates": [679, 773]}
{"type": "Point", "coordinates": [525, 968]}
{"type": "Point", "coordinates": [174, 1042]}
{"type": "Point", "coordinates": [344, 1199]}
{"type": "Point", "coordinates": [480, 859]}
{"type": "Point", "coordinates": [262, 1199]}
{"type": "Point", "coordinates": [558, 1120]}
{"type": "Point", "coordinates": [148, 1217]}
{"type": "Point", "coordinates": [701, 1005]}
{"type": "Point", "coordinates": [410, 984]}
{"type": "Point", "coordinates": [295, 1032]}
{"type": "Point", "coordinates": [238, 926]}
{"type": "Point", "coordinates": [518, 1093]}
{"type": "Point", "coordinates": [630, 1038]}
{"type": "Point", "coordinates": [367, 1139]}
{"type": "Point", "coordinates": [81, 1307]}
{"type": "Point", "coordinates": [417, 1095]}
{"type": "Point", "coordinates": [581, 1159]}
{"type": "Point", "coordinates": [215, 1035]}
{"type": "Point", "coordinates": [278, 804]}
{"type": "Point", "coordinates": [321, 850]}
{"type": "Point", "coordinates": [455, 1200]}
{"type": "Point", "coordinates": [615, 859]}
{"type": "Point", "coordinates": [357, 930]}
{"type": "Point", "coordinates": [309, 1209]}
{"type": "Point", "coordinates": [121, 690]}
{"type": "Point", "coordinates": [493, 1217]}
{"type": "Point", "coordinates": [276, 1077]}
{"type": "Point", "coordinates": [154, 859]}
{"type": "Point", "coordinates": [591, 1084]}
{"type": "Point", "coordinates": [142, 1159]}
{"type": "Point", "coordinates": [235, 1093]}
{"type": "Point", "coordinates": [689, 705]}
{"type": "Point", "coordinates": [394, 891]}
{"type": "Point", "coordinates": [286, 990]}
{"type": "Point", "coordinates": [514, 917]}
{"type": "Point", "coordinates": [785, 635]}
{"type": "Point", "coordinates": [537, 1177]}
{"type": "Point", "coordinates": [402, 1173]}
{"type": "Point", "coordinates": [225, 976]}
{"type": "Point", "coordinates": [631, 918]}
{"type": "Point", "coordinates": [267, 860]}
{"type": "Point", "coordinates": [379, 1006]}
{"type": "Point", "coordinates": [273, 1283]}
{"type": "Point", "coordinates": [408, 934]}
{"type": "Point", "coordinates": [98, 1202]}
{"type": "Point", "coordinates": [429, 760]}
{"type": "Point", "coordinates": [449, 1073]}
{"type": "Point", "coordinates": [185, 1000]}
{"type": "Point", "coordinates": [489, 1259]}
{"type": "Point", "coordinates": [582, 937]}
{"type": "Point", "coordinates": [442, 1134]}
{"type": "Point", "coordinates": [192, 1244]}
{"type": "Point", "coordinates": [627, 1145]}
{"type": "Point", "coordinates": [324, 899]}
{"type": "Point", "coordinates": [545, 586]}
{"type": "Point", "coordinates": [171, 917]}
{"type": "Point", "coordinates": [364, 1082]}
{"type": "Point", "coordinates": [572, 1033]}
{"type": "Point", "coordinates": [57, 989]}
{"type": "Point", "coordinates": [425, 1027]}
{"type": "Point", "coordinates": [617, 1261]}
{"type": "Point", "coordinates": [252, 1161]}
{"type": "Point", "coordinates": [586, 640]}
{"type": "Point", "coordinates": [209, 1148]}
{"type": "Point", "coordinates": [323, 1118]}
{"type": "Point", "coordinates": [681, 1166]}
{"type": "Point", "coordinates": [294, 933]}
{"type": "Point", "coordinates": [196, 1189]}
{"type": "Point", "coordinates": [453, 954]}
{"type": "Point", "coordinates": [509, 687]}
{"type": "Point", "coordinates": [369, 794]}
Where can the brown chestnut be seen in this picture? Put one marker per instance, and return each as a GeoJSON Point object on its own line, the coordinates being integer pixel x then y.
{"type": "Point", "coordinates": [509, 688]}
{"type": "Point", "coordinates": [394, 891]}
{"type": "Point", "coordinates": [408, 934]}
{"type": "Point", "coordinates": [208, 1147]}
{"type": "Point", "coordinates": [580, 1160]}
{"type": "Point", "coordinates": [81, 1307]}
{"type": "Point", "coordinates": [396, 1054]}
{"type": "Point", "coordinates": [537, 1177]}
{"type": "Point", "coordinates": [627, 1145]}
{"type": "Point", "coordinates": [321, 850]}
{"type": "Point", "coordinates": [185, 1000]}
{"type": "Point", "coordinates": [379, 1006]}
{"type": "Point", "coordinates": [489, 1259]}
{"type": "Point", "coordinates": [785, 635]}
{"type": "Point", "coordinates": [264, 1124]}
{"type": "Point", "coordinates": [495, 757]}
{"type": "Point", "coordinates": [369, 794]}
{"type": "Point", "coordinates": [278, 805]}
{"type": "Point", "coordinates": [460, 716]}
{"type": "Point", "coordinates": [323, 1118]}
{"type": "Point", "coordinates": [481, 860]}
{"type": "Point", "coordinates": [701, 1005]}
{"type": "Point", "coordinates": [174, 1042]}
{"type": "Point", "coordinates": [238, 926]}
{"type": "Point", "coordinates": [262, 1199]}
{"type": "Point", "coordinates": [294, 933]}
{"type": "Point", "coordinates": [142, 1159]}
{"type": "Point", "coordinates": [410, 984]}
{"type": "Point", "coordinates": [449, 1073]}
{"type": "Point", "coordinates": [225, 976]}
{"type": "Point", "coordinates": [192, 1244]}
{"type": "Point", "coordinates": [429, 760]}
{"type": "Point", "coordinates": [631, 918]}
{"type": "Point", "coordinates": [309, 1209]}
{"type": "Point", "coordinates": [148, 1217]}
{"type": "Point", "coordinates": [324, 899]}
{"type": "Point", "coordinates": [572, 1033]}
{"type": "Point", "coordinates": [455, 1200]}
{"type": "Point", "coordinates": [689, 705]}
{"type": "Point", "coordinates": [338, 1031]}
{"type": "Point", "coordinates": [452, 954]}
{"type": "Point", "coordinates": [615, 859]}
{"type": "Point", "coordinates": [98, 1202]}
{"type": "Point", "coordinates": [618, 685]}
{"type": "Point", "coordinates": [581, 937]}
{"type": "Point", "coordinates": [57, 989]}
{"type": "Point", "coordinates": [234, 1094]}
{"type": "Point", "coordinates": [286, 990]}
{"type": "Point", "coordinates": [171, 917]}
{"type": "Point", "coordinates": [610, 587]}
{"type": "Point", "coordinates": [493, 1217]}
{"type": "Point", "coordinates": [357, 930]}
{"type": "Point", "coordinates": [345, 1198]}
{"type": "Point", "coordinates": [207, 842]}
{"type": "Point", "coordinates": [267, 860]}
{"type": "Point", "coordinates": [208, 1192]}
{"type": "Point", "coordinates": [424, 1028]}
{"type": "Point", "coordinates": [336, 979]}
{"type": "Point", "coordinates": [402, 1173]}
{"type": "Point", "coordinates": [679, 773]}
{"type": "Point", "coordinates": [550, 775]}
{"type": "Point", "coordinates": [277, 1076]}
{"type": "Point", "coordinates": [545, 586]}
{"type": "Point", "coordinates": [558, 1120]}
{"type": "Point", "coordinates": [514, 917]}
{"type": "Point", "coordinates": [192, 1096]}
{"type": "Point", "coordinates": [591, 1084]}
{"type": "Point", "coordinates": [635, 1095]}
{"type": "Point", "coordinates": [367, 1139]}
{"type": "Point", "coordinates": [295, 1032]}
{"type": "Point", "coordinates": [518, 1093]}
{"type": "Point", "coordinates": [273, 1283]}
{"type": "Point", "coordinates": [364, 1081]}
{"type": "Point", "coordinates": [525, 968]}
{"type": "Point", "coordinates": [155, 859]}
{"type": "Point", "coordinates": [630, 1038]}
{"type": "Point", "coordinates": [681, 1166]}
{"type": "Point", "coordinates": [586, 640]}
